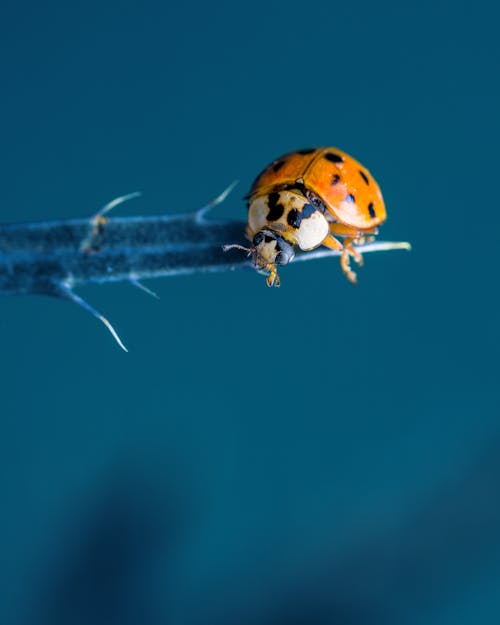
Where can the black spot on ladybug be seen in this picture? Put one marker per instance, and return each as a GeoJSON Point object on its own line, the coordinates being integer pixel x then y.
{"type": "Point", "coordinates": [306, 151]}
{"type": "Point", "coordinates": [258, 238]}
{"type": "Point", "coordinates": [371, 210]}
{"type": "Point", "coordinates": [335, 179]}
{"type": "Point", "coordinates": [333, 157]}
{"type": "Point", "coordinates": [294, 218]}
{"type": "Point", "coordinates": [315, 201]}
{"type": "Point", "coordinates": [364, 176]}
{"type": "Point", "coordinates": [273, 199]}
{"type": "Point", "coordinates": [275, 210]}
{"type": "Point", "coordinates": [277, 166]}
{"type": "Point", "coordinates": [350, 198]}
{"type": "Point", "coordinates": [308, 210]}
{"type": "Point", "coordinates": [296, 186]}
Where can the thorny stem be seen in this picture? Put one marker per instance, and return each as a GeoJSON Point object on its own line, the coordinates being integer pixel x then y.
{"type": "Point", "coordinates": [50, 258]}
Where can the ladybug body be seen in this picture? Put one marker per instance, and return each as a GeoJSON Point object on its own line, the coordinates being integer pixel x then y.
{"type": "Point", "coordinates": [291, 214]}
{"type": "Point", "coordinates": [309, 198]}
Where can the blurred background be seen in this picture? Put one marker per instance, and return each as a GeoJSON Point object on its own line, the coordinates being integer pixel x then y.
{"type": "Point", "coordinates": [206, 478]}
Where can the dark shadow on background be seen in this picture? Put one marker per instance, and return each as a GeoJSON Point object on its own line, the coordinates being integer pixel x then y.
{"type": "Point", "coordinates": [104, 572]}
{"type": "Point", "coordinates": [107, 570]}
{"type": "Point", "coordinates": [406, 570]}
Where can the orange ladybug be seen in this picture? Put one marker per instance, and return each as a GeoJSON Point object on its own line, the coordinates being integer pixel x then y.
{"type": "Point", "coordinates": [310, 198]}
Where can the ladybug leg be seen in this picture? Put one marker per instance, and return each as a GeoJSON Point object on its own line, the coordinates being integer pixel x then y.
{"type": "Point", "coordinates": [348, 231]}
{"type": "Point", "coordinates": [346, 267]}
{"type": "Point", "coordinates": [348, 244]}
{"type": "Point", "coordinates": [334, 244]}
{"type": "Point", "coordinates": [272, 279]}
{"type": "Point", "coordinates": [352, 237]}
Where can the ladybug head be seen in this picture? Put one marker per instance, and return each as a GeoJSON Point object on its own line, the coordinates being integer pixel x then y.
{"type": "Point", "coordinates": [270, 248]}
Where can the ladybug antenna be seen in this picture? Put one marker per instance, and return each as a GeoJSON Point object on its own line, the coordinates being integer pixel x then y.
{"type": "Point", "coordinates": [236, 246]}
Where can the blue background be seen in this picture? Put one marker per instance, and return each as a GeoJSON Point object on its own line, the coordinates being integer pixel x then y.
{"type": "Point", "coordinates": [316, 454]}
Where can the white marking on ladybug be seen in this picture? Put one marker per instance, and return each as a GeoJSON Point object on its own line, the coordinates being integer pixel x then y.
{"type": "Point", "coordinates": [312, 231]}
{"type": "Point", "coordinates": [257, 214]}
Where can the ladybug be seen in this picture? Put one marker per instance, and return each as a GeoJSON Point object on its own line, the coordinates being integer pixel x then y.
{"type": "Point", "coordinates": [309, 198]}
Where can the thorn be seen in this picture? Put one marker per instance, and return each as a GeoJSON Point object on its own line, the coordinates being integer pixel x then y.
{"type": "Point", "coordinates": [375, 246]}
{"type": "Point", "coordinates": [202, 212]}
{"type": "Point", "coordinates": [118, 200]}
{"type": "Point", "coordinates": [66, 292]}
{"type": "Point", "coordinates": [94, 242]}
{"type": "Point", "coordinates": [387, 246]}
{"type": "Point", "coordinates": [144, 288]}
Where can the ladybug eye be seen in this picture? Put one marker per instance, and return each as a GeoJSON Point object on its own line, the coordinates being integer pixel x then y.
{"type": "Point", "coordinates": [286, 253]}
{"type": "Point", "coordinates": [258, 238]}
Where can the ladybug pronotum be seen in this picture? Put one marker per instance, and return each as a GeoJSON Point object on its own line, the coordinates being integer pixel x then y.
{"type": "Point", "coordinates": [308, 198]}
